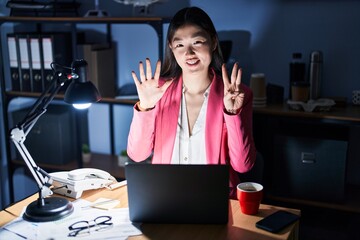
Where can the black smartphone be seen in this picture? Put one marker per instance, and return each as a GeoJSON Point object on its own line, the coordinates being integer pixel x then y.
{"type": "Point", "coordinates": [277, 221]}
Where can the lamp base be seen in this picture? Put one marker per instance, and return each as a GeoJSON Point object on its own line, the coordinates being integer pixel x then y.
{"type": "Point", "coordinates": [48, 209]}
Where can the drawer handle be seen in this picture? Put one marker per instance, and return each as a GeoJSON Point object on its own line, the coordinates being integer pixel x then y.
{"type": "Point", "coordinates": [308, 157]}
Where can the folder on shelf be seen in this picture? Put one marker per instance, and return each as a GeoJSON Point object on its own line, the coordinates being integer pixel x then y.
{"type": "Point", "coordinates": [55, 47]}
{"type": "Point", "coordinates": [13, 62]}
{"type": "Point", "coordinates": [47, 58]}
{"type": "Point", "coordinates": [101, 61]}
{"type": "Point", "coordinates": [35, 63]}
{"type": "Point", "coordinates": [25, 74]}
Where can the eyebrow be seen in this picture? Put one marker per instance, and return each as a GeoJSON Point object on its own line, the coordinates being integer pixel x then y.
{"type": "Point", "coordinates": [197, 34]}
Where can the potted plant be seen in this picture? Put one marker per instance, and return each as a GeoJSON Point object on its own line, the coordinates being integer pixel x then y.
{"type": "Point", "coordinates": [86, 153]}
{"type": "Point", "coordinates": [122, 158]}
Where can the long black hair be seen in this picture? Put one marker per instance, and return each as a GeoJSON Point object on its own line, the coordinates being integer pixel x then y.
{"type": "Point", "coordinates": [190, 16]}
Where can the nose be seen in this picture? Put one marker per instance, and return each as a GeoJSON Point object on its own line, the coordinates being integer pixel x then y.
{"type": "Point", "coordinates": [189, 51]}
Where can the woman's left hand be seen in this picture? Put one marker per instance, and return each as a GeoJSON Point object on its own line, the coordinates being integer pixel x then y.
{"type": "Point", "coordinates": [233, 95]}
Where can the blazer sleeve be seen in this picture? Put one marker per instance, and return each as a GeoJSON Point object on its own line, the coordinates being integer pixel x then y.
{"type": "Point", "coordinates": [241, 146]}
{"type": "Point", "coordinates": [141, 135]}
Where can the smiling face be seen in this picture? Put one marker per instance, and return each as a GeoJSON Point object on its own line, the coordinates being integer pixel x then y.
{"type": "Point", "coordinates": [192, 49]}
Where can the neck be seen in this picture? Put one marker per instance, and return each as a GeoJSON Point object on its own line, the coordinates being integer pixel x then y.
{"type": "Point", "coordinates": [196, 84]}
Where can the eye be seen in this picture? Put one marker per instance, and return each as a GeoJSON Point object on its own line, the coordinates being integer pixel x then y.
{"type": "Point", "coordinates": [178, 45]}
{"type": "Point", "coordinates": [199, 42]}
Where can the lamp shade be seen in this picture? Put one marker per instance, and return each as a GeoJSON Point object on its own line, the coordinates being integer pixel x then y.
{"type": "Point", "coordinates": [80, 90]}
{"type": "Point", "coordinates": [81, 93]}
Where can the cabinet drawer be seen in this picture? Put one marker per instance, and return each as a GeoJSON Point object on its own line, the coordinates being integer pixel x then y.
{"type": "Point", "coordinates": [309, 168]}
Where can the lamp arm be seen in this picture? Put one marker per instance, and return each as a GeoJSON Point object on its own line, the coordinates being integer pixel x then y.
{"type": "Point", "coordinates": [42, 178]}
{"type": "Point", "coordinates": [44, 100]}
{"type": "Point", "coordinates": [19, 133]}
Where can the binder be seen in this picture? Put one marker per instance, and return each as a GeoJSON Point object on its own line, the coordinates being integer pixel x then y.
{"type": "Point", "coordinates": [46, 59]}
{"type": "Point", "coordinates": [100, 59]}
{"type": "Point", "coordinates": [55, 47]}
{"type": "Point", "coordinates": [35, 63]}
{"type": "Point", "coordinates": [13, 62]}
{"type": "Point", "coordinates": [25, 75]}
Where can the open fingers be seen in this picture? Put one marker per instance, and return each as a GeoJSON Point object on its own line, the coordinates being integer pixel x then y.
{"type": "Point", "coordinates": [234, 73]}
{"type": "Point", "coordinates": [157, 70]}
{"type": "Point", "coordinates": [136, 80]}
{"type": "Point", "coordinates": [142, 71]}
{"type": "Point", "coordinates": [236, 77]}
{"type": "Point", "coordinates": [225, 77]}
{"type": "Point", "coordinates": [238, 80]}
{"type": "Point", "coordinates": [148, 69]}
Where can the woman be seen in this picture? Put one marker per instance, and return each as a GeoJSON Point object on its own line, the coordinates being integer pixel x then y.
{"type": "Point", "coordinates": [190, 111]}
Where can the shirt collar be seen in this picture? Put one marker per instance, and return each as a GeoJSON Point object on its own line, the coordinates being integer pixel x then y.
{"type": "Point", "coordinates": [206, 93]}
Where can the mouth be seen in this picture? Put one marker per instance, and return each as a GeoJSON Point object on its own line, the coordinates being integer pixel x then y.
{"type": "Point", "coordinates": [192, 61]}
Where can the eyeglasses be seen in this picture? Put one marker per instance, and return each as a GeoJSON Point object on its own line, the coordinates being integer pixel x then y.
{"type": "Point", "coordinates": [82, 228]}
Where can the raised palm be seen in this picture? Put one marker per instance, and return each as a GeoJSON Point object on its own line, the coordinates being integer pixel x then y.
{"type": "Point", "coordinates": [148, 88]}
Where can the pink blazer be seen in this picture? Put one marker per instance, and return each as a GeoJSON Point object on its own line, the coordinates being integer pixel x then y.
{"type": "Point", "coordinates": [229, 138]}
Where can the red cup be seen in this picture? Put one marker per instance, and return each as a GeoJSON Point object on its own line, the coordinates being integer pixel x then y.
{"type": "Point", "coordinates": [249, 195]}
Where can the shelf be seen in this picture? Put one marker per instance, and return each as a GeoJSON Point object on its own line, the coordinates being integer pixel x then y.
{"type": "Point", "coordinates": [14, 94]}
{"type": "Point", "coordinates": [155, 22]}
{"type": "Point", "coordinates": [349, 113]}
{"type": "Point", "coordinates": [104, 20]}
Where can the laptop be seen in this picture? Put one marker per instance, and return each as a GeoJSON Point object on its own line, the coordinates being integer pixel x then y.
{"type": "Point", "coordinates": [168, 193]}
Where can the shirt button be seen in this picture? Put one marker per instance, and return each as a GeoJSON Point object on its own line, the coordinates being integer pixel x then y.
{"type": "Point", "coordinates": [185, 158]}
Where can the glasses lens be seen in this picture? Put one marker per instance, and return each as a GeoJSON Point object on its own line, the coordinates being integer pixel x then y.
{"type": "Point", "coordinates": [103, 223]}
{"type": "Point", "coordinates": [79, 229]}
{"type": "Point", "coordinates": [82, 228]}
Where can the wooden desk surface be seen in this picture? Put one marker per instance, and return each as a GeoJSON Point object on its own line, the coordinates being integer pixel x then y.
{"type": "Point", "coordinates": [240, 226]}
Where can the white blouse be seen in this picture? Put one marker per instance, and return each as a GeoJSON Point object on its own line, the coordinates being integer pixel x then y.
{"type": "Point", "coordinates": [190, 149]}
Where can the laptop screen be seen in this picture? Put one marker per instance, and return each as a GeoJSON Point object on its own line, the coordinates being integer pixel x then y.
{"type": "Point", "coordinates": [167, 193]}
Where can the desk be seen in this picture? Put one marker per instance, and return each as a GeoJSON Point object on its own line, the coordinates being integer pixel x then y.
{"type": "Point", "coordinates": [240, 226]}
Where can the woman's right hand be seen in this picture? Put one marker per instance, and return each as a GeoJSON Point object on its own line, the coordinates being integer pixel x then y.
{"type": "Point", "coordinates": [148, 88]}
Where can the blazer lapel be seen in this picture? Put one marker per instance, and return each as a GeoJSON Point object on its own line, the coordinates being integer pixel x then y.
{"type": "Point", "coordinates": [214, 121]}
{"type": "Point", "coordinates": [167, 120]}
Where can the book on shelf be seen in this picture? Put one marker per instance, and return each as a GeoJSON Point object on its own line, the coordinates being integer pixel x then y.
{"type": "Point", "coordinates": [13, 53]}
{"type": "Point", "coordinates": [25, 71]}
{"type": "Point", "coordinates": [35, 63]}
{"type": "Point", "coordinates": [55, 47]}
{"type": "Point", "coordinates": [101, 62]}
{"type": "Point", "coordinates": [31, 55]}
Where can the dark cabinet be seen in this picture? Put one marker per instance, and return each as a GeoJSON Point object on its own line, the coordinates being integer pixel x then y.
{"type": "Point", "coordinates": [309, 168]}
{"type": "Point", "coordinates": [310, 158]}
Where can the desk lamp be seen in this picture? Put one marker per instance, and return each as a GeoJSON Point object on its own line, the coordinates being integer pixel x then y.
{"type": "Point", "coordinates": [80, 93]}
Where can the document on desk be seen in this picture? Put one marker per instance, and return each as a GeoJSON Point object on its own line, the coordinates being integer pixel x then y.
{"type": "Point", "coordinates": [118, 227]}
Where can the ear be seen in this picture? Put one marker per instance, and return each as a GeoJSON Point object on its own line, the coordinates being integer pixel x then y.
{"type": "Point", "coordinates": [215, 44]}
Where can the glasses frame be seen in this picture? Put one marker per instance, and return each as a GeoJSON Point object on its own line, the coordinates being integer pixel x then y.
{"type": "Point", "coordinates": [102, 225]}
